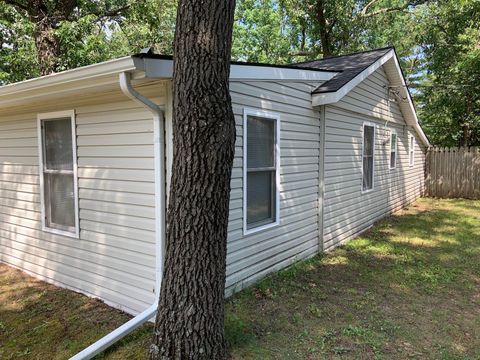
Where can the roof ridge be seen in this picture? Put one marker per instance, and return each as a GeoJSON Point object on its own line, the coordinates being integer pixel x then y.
{"type": "Point", "coordinates": [345, 55]}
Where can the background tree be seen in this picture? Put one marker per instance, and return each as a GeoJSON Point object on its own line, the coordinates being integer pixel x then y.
{"type": "Point", "coordinates": [448, 85]}
{"type": "Point", "coordinates": [190, 317]}
{"type": "Point", "coordinates": [44, 36]}
{"type": "Point", "coordinates": [297, 30]}
{"type": "Point", "coordinates": [46, 17]}
{"type": "Point", "coordinates": [17, 49]}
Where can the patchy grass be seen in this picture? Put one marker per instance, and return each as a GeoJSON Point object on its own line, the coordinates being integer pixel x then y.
{"type": "Point", "coordinates": [407, 289]}
{"type": "Point", "coordinates": [41, 321]}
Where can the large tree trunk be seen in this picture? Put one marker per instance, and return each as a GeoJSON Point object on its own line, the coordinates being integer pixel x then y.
{"type": "Point", "coordinates": [45, 17]}
{"type": "Point", "coordinates": [325, 39]}
{"type": "Point", "coordinates": [190, 319]}
{"type": "Point", "coordinates": [48, 46]}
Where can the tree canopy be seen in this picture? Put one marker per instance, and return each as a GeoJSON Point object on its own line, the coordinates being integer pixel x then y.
{"type": "Point", "coordinates": [438, 42]}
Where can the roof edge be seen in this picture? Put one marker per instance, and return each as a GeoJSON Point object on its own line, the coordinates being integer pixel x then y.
{"type": "Point", "coordinates": [242, 63]}
{"type": "Point", "coordinates": [85, 72]}
{"type": "Point", "coordinates": [340, 56]}
{"type": "Point", "coordinates": [332, 97]}
{"type": "Point", "coordinates": [335, 96]}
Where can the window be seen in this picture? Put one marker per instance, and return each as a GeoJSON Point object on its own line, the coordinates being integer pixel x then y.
{"type": "Point", "coordinates": [411, 150]}
{"type": "Point", "coordinates": [261, 170]}
{"type": "Point", "coordinates": [368, 156]}
{"type": "Point", "coordinates": [393, 150]}
{"type": "Point", "coordinates": [58, 175]}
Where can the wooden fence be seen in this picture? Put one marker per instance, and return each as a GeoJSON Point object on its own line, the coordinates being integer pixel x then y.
{"type": "Point", "coordinates": [453, 172]}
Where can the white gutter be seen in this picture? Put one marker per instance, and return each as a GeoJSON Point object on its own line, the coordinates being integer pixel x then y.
{"type": "Point", "coordinates": [85, 72]}
{"type": "Point", "coordinates": [159, 155]}
{"type": "Point", "coordinates": [156, 68]}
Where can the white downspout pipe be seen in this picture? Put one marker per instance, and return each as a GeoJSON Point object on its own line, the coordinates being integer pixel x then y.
{"type": "Point", "coordinates": [159, 155]}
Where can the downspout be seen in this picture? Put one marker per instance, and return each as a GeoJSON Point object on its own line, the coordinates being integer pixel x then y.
{"type": "Point", "coordinates": [159, 156]}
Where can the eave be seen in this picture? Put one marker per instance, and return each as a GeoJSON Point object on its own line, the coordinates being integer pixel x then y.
{"type": "Point", "coordinates": [392, 67]}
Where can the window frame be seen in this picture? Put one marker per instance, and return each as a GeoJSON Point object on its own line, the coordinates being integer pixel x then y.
{"type": "Point", "coordinates": [276, 118]}
{"type": "Point", "coordinates": [57, 115]}
{"type": "Point", "coordinates": [393, 132]}
{"type": "Point", "coordinates": [411, 150]}
{"type": "Point", "coordinates": [369, 124]}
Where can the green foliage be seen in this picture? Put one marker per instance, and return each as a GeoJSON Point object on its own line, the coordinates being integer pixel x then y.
{"type": "Point", "coordinates": [94, 32]}
{"type": "Point", "coordinates": [449, 88]}
{"type": "Point", "coordinates": [290, 30]}
{"type": "Point", "coordinates": [438, 42]}
{"type": "Point", "coordinates": [261, 33]}
{"type": "Point", "coordinates": [148, 23]}
{"type": "Point", "coordinates": [17, 49]}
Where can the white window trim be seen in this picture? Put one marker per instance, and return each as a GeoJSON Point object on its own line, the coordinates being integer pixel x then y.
{"type": "Point", "coordinates": [50, 116]}
{"type": "Point", "coordinates": [411, 161]}
{"type": "Point", "coordinates": [366, 123]}
{"type": "Point", "coordinates": [275, 117]}
{"type": "Point", "coordinates": [393, 132]}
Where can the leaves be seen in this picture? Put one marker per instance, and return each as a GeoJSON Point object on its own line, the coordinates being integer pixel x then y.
{"type": "Point", "coordinates": [449, 85]}
{"type": "Point", "coordinates": [438, 42]}
{"type": "Point", "coordinates": [92, 32]}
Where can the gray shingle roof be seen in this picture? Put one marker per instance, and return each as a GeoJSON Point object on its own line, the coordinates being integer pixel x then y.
{"type": "Point", "coordinates": [347, 66]}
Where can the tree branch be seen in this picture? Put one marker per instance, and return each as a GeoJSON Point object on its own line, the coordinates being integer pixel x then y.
{"type": "Point", "coordinates": [16, 4]}
{"type": "Point", "coordinates": [111, 13]}
{"type": "Point", "coordinates": [303, 53]}
{"type": "Point", "coordinates": [391, 9]}
{"type": "Point", "coordinates": [64, 8]}
{"type": "Point", "coordinates": [365, 9]}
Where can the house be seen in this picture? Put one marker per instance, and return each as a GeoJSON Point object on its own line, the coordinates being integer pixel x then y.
{"type": "Point", "coordinates": [324, 149]}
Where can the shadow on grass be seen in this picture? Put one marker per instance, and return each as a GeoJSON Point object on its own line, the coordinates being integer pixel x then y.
{"type": "Point", "coordinates": [405, 276]}
{"type": "Point", "coordinates": [408, 288]}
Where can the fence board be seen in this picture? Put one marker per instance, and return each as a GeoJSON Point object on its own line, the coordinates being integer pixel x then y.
{"type": "Point", "coordinates": [453, 172]}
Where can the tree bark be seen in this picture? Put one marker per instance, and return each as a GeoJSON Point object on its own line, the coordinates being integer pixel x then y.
{"type": "Point", "coordinates": [47, 45]}
{"type": "Point", "coordinates": [325, 39]}
{"type": "Point", "coordinates": [190, 319]}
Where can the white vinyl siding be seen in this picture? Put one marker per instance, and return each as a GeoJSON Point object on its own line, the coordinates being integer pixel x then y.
{"type": "Point", "coordinates": [348, 212]}
{"type": "Point", "coordinates": [262, 173]}
{"type": "Point", "coordinates": [252, 256]}
{"type": "Point", "coordinates": [113, 259]}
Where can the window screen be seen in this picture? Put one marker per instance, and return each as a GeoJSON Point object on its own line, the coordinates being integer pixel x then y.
{"type": "Point", "coordinates": [393, 150]}
{"type": "Point", "coordinates": [261, 170]}
{"type": "Point", "coordinates": [368, 153]}
{"type": "Point", "coordinates": [411, 150]}
{"type": "Point", "coordinates": [58, 174]}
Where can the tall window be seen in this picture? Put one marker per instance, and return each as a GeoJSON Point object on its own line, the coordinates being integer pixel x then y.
{"type": "Point", "coordinates": [58, 164]}
{"type": "Point", "coordinates": [368, 156]}
{"type": "Point", "coordinates": [393, 150]}
{"type": "Point", "coordinates": [261, 170]}
{"type": "Point", "coordinates": [411, 150]}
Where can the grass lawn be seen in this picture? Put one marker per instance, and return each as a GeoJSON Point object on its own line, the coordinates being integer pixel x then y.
{"type": "Point", "coordinates": [407, 289]}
